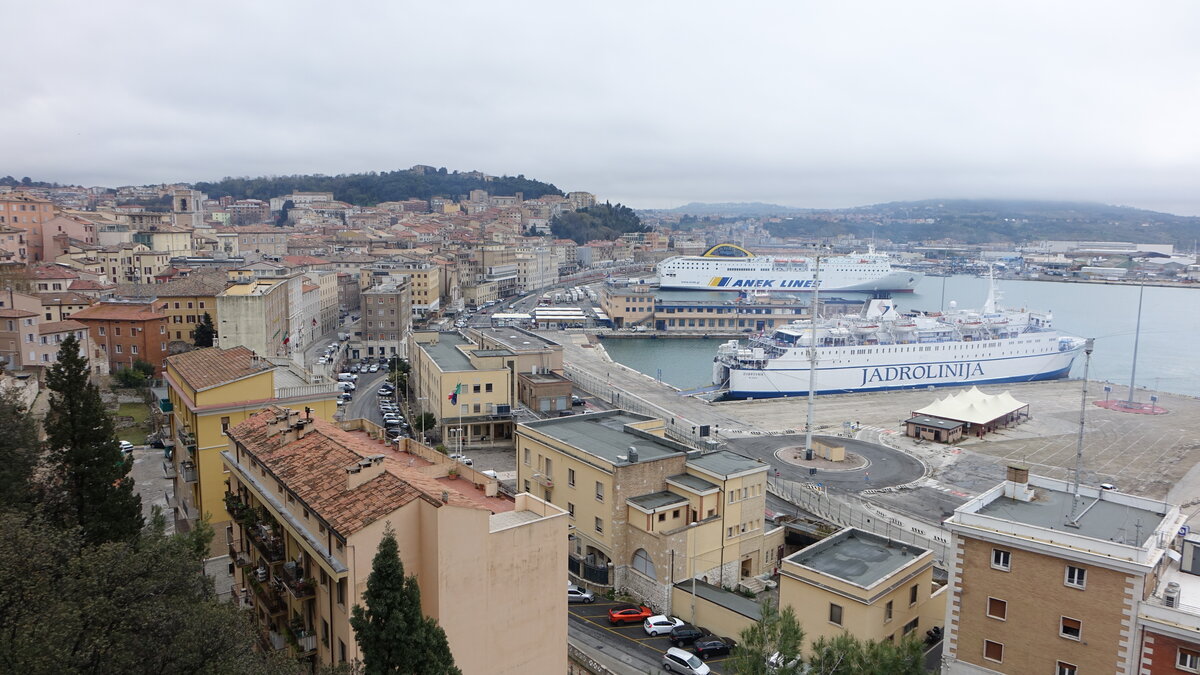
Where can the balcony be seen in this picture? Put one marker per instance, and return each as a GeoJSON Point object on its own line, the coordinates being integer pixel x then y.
{"type": "Point", "coordinates": [187, 469]}
{"type": "Point", "coordinates": [297, 585]}
{"type": "Point", "coordinates": [187, 439]}
{"type": "Point", "coordinates": [165, 406]}
{"type": "Point", "coordinates": [304, 641]}
{"type": "Point", "coordinates": [237, 551]}
{"type": "Point", "coordinates": [266, 596]}
{"type": "Point", "coordinates": [543, 480]}
{"type": "Point", "coordinates": [269, 544]}
{"type": "Point", "coordinates": [241, 598]}
{"type": "Point", "coordinates": [270, 640]}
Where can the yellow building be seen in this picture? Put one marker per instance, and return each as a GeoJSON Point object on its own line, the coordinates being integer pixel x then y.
{"type": "Point", "coordinates": [857, 583]}
{"type": "Point", "coordinates": [312, 502]}
{"type": "Point", "coordinates": [210, 390]}
{"type": "Point", "coordinates": [468, 389]}
{"type": "Point", "coordinates": [645, 513]}
{"type": "Point", "coordinates": [185, 301]}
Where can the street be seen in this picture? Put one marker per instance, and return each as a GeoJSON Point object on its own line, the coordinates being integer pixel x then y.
{"type": "Point", "coordinates": [630, 644]}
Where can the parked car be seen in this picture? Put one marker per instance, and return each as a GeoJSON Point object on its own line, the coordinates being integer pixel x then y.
{"type": "Point", "coordinates": [660, 624]}
{"type": "Point", "coordinates": [577, 594]}
{"type": "Point", "coordinates": [629, 614]}
{"type": "Point", "coordinates": [126, 447]}
{"type": "Point", "coordinates": [384, 391]}
{"type": "Point", "coordinates": [675, 660]}
{"type": "Point", "coordinates": [686, 634]}
{"type": "Point", "coordinates": [391, 423]}
{"type": "Point", "coordinates": [374, 368]}
{"type": "Point", "coordinates": [575, 400]}
{"type": "Point", "coordinates": [462, 459]}
{"type": "Point", "coordinates": [711, 645]}
{"type": "Point", "coordinates": [354, 369]}
{"type": "Point", "coordinates": [322, 361]}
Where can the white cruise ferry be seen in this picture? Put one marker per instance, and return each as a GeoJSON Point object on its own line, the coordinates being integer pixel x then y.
{"type": "Point", "coordinates": [882, 349]}
{"type": "Point", "coordinates": [727, 267]}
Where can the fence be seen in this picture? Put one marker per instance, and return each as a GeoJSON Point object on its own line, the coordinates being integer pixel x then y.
{"type": "Point", "coordinates": [851, 511]}
{"type": "Point", "coordinates": [679, 428]}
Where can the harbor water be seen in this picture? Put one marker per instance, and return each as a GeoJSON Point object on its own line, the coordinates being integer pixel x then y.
{"type": "Point", "coordinates": [1168, 349]}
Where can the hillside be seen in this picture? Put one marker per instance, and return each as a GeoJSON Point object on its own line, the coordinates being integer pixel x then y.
{"type": "Point", "coordinates": [980, 221]}
{"type": "Point", "coordinates": [372, 187]}
{"type": "Point", "coordinates": [602, 221]}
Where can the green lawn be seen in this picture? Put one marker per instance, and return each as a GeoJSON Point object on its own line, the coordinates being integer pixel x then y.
{"type": "Point", "coordinates": [140, 413]}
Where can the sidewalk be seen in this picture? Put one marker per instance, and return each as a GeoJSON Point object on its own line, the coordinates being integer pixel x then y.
{"type": "Point", "coordinates": [597, 661]}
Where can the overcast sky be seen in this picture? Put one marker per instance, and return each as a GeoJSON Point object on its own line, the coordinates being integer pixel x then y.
{"type": "Point", "coordinates": [654, 104]}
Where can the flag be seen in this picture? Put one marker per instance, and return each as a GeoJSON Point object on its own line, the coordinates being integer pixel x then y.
{"type": "Point", "coordinates": [314, 321]}
{"type": "Point", "coordinates": [287, 339]}
{"type": "Point", "coordinates": [454, 394]}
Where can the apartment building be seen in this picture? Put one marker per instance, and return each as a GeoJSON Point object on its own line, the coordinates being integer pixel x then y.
{"type": "Point", "coordinates": [1042, 581]}
{"type": "Point", "coordinates": [264, 239]}
{"type": "Point", "coordinates": [311, 502]}
{"type": "Point", "coordinates": [467, 388]}
{"type": "Point", "coordinates": [387, 317]}
{"type": "Point", "coordinates": [185, 301]}
{"type": "Point", "coordinates": [537, 268]}
{"type": "Point", "coordinates": [131, 262]}
{"type": "Point", "coordinates": [210, 390]}
{"type": "Point", "coordinates": [869, 586]}
{"type": "Point", "coordinates": [255, 313]}
{"type": "Point", "coordinates": [126, 331]}
{"type": "Point", "coordinates": [14, 246]}
{"type": "Point", "coordinates": [647, 512]}
{"type": "Point", "coordinates": [60, 306]}
{"type": "Point", "coordinates": [29, 213]}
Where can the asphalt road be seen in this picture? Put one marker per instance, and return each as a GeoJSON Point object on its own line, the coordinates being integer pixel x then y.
{"type": "Point", "coordinates": [365, 404]}
{"type": "Point", "coordinates": [629, 643]}
{"type": "Point", "coordinates": [885, 467]}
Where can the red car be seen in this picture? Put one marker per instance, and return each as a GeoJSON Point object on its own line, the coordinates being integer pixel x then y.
{"type": "Point", "coordinates": [628, 614]}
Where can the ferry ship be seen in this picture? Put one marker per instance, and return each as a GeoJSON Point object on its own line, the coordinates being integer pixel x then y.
{"type": "Point", "coordinates": [727, 267]}
{"type": "Point", "coordinates": [881, 348]}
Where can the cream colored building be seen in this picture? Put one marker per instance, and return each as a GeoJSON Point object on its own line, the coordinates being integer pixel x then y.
{"type": "Point", "coordinates": [210, 390]}
{"type": "Point", "coordinates": [857, 583]}
{"type": "Point", "coordinates": [255, 313]}
{"type": "Point", "coordinates": [467, 388]}
{"type": "Point", "coordinates": [311, 503]}
{"type": "Point", "coordinates": [645, 512]}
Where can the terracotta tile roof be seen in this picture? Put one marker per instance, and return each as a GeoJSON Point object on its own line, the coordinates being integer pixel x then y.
{"type": "Point", "coordinates": [304, 260]}
{"type": "Point", "coordinates": [119, 312]}
{"type": "Point", "coordinates": [64, 298]}
{"type": "Point", "coordinates": [206, 284]}
{"type": "Point", "coordinates": [54, 272]}
{"type": "Point", "coordinates": [15, 314]}
{"type": "Point", "coordinates": [60, 326]}
{"type": "Point", "coordinates": [88, 285]}
{"type": "Point", "coordinates": [212, 366]}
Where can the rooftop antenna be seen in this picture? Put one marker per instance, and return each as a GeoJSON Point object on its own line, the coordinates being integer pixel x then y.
{"type": "Point", "coordinates": [1073, 518]}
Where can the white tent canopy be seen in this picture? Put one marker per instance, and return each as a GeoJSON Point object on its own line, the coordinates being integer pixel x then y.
{"type": "Point", "coordinates": [972, 406]}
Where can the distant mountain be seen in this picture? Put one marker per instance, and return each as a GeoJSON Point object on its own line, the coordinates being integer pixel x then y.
{"type": "Point", "coordinates": [976, 221]}
{"type": "Point", "coordinates": [734, 209]}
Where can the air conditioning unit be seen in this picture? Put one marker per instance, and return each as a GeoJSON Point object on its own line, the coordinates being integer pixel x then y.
{"type": "Point", "coordinates": [1171, 596]}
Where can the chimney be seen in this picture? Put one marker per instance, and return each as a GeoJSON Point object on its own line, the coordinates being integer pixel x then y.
{"type": "Point", "coordinates": [633, 455]}
{"type": "Point", "coordinates": [363, 470]}
{"type": "Point", "coordinates": [1017, 484]}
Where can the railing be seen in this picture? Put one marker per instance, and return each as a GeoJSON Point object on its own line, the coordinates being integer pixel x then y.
{"type": "Point", "coordinates": [303, 640]}
{"type": "Point", "coordinates": [188, 470]}
{"type": "Point", "coordinates": [544, 481]}
{"type": "Point", "coordinates": [268, 598]}
{"type": "Point", "coordinates": [307, 390]}
{"type": "Point", "coordinates": [589, 572]}
{"type": "Point", "coordinates": [168, 468]}
{"type": "Point", "coordinates": [270, 546]}
{"type": "Point", "coordinates": [271, 641]}
{"type": "Point", "coordinates": [241, 598]}
{"type": "Point", "coordinates": [298, 586]}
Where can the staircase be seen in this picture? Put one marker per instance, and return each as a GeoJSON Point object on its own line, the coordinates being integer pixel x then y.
{"type": "Point", "coordinates": [755, 585]}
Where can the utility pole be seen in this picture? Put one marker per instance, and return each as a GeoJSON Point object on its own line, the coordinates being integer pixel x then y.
{"type": "Point", "coordinates": [812, 361]}
{"type": "Point", "coordinates": [1073, 518]}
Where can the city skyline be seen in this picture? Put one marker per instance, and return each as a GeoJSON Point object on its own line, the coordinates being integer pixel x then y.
{"type": "Point", "coordinates": [808, 106]}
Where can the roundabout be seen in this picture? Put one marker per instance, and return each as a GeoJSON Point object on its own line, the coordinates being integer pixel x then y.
{"type": "Point", "coordinates": [868, 466]}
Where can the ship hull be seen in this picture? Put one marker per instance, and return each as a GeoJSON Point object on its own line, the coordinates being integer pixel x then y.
{"type": "Point", "coordinates": [777, 381]}
{"type": "Point", "coordinates": [897, 281]}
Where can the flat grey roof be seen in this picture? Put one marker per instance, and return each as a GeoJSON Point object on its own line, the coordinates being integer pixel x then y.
{"type": "Point", "coordinates": [935, 422]}
{"type": "Point", "coordinates": [856, 557]}
{"type": "Point", "coordinates": [1106, 520]}
{"type": "Point", "coordinates": [516, 339]}
{"type": "Point", "coordinates": [694, 482]}
{"type": "Point", "coordinates": [657, 500]}
{"type": "Point", "coordinates": [603, 434]}
{"type": "Point", "coordinates": [492, 352]}
{"type": "Point", "coordinates": [734, 602]}
{"type": "Point", "coordinates": [725, 463]}
{"type": "Point", "coordinates": [445, 354]}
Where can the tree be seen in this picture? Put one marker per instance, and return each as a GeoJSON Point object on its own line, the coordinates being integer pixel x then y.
{"type": "Point", "coordinates": [205, 332]}
{"type": "Point", "coordinates": [847, 655]}
{"type": "Point", "coordinates": [777, 636]}
{"type": "Point", "coordinates": [424, 422]}
{"type": "Point", "coordinates": [393, 634]}
{"type": "Point", "coordinates": [283, 218]}
{"type": "Point", "coordinates": [130, 378]}
{"type": "Point", "coordinates": [20, 451]}
{"type": "Point", "coordinates": [88, 481]}
{"type": "Point", "coordinates": [140, 606]}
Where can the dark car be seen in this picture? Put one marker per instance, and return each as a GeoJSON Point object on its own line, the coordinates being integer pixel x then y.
{"type": "Point", "coordinates": [711, 645]}
{"type": "Point", "coordinates": [686, 634]}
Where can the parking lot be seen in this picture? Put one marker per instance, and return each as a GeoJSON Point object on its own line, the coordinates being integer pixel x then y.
{"type": "Point", "coordinates": [631, 638]}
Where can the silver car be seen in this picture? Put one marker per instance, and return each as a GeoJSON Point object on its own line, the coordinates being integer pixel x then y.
{"type": "Point", "coordinates": [679, 661]}
{"type": "Point", "coordinates": [577, 594]}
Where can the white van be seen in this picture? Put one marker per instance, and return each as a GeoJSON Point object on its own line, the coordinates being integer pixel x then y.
{"type": "Point", "coordinates": [347, 377]}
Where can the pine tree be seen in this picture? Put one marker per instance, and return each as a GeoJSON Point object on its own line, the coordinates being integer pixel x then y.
{"type": "Point", "coordinates": [393, 634]}
{"type": "Point", "coordinates": [89, 483]}
{"type": "Point", "coordinates": [20, 450]}
{"type": "Point", "coordinates": [777, 637]}
{"type": "Point", "coordinates": [205, 333]}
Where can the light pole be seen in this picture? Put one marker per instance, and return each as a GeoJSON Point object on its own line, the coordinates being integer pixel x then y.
{"type": "Point", "coordinates": [812, 361]}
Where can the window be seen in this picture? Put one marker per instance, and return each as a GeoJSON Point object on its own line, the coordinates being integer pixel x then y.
{"type": "Point", "coordinates": [993, 651]}
{"type": "Point", "coordinates": [997, 608]}
{"type": "Point", "coordinates": [642, 563]}
{"type": "Point", "coordinates": [1001, 559]}
{"type": "Point", "coordinates": [1076, 576]}
{"type": "Point", "coordinates": [1071, 628]}
{"type": "Point", "coordinates": [911, 625]}
{"type": "Point", "coordinates": [527, 457]}
{"type": "Point", "coordinates": [341, 592]}
{"type": "Point", "coordinates": [118, 348]}
{"type": "Point", "coordinates": [1187, 659]}
{"type": "Point", "coordinates": [571, 477]}
{"type": "Point", "coordinates": [225, 425]}
{"type": "Point", "coordinates": [571, 509]}
{"type": "Point", "coordinates": [475, 389]}
{"type": "Point", "coordinates": [835, 614]}
{"type": "Point", "coordinates": [912, 595]}
{"type": "Point", "coordinates": [341, 650]}
{"type": "Point", "coordinates": [599, 491]}
{"type": "Point", "coordinates": [133, 349]}
{"type": "Point", "coordinates": [600, 526]}
{"type": "Point", "coordinates": [1065, 669]}
{"type": "Point", "coordinates": [487, 388]}
{"type": "Point", "coordinates": [887, 612]}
